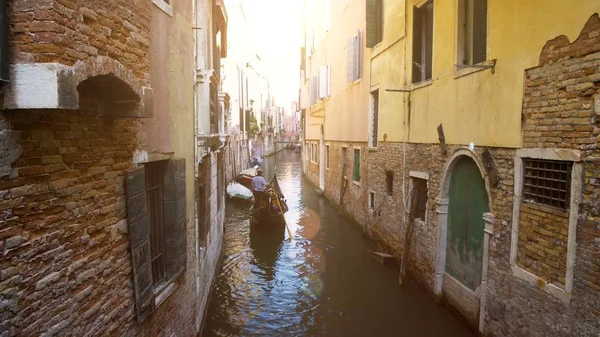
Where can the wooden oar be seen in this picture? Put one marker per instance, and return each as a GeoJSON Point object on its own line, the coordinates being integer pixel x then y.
{"type": "Point", "coordinates": [283, 215]}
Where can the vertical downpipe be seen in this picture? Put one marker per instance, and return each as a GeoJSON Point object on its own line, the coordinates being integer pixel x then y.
{"type": "Point", "coordinates": [4, 61]}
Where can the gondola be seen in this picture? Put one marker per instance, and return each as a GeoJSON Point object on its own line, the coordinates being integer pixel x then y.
{"type": "Point", "coordinates": [272, 206]}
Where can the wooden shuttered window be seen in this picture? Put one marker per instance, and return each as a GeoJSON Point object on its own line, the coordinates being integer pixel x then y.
{"type": "Point", "coordinates": [324, 81]}
{"type": "Point", "coordinates": [175, 219]}
{"type": "Point", "coordinates": [157, 229]}
{"type": "Point", "coordinates": [354, 57]}
{"type": "Point", "coordinates": [139, 241]}
{"type": "Point", "coordinates": [479, 31]}
{"type": "Point", "coordinates": [422, 42]}
{"type": "Point", "coordinates": [314, 90]}
{"type": "Point", "coordinates": [203, 200]}
{"type": "Point", "coordinates": [374, 20]}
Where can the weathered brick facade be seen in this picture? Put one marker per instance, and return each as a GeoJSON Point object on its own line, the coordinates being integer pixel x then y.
{"type": "Point", "coordinates": [355, 203]}
{"type": "Point", "coordinates": [560, 113]}
{"type": "Point", "coordinates": [543, 235]}
{"type": "Point", "coordinates": [64, 31]}
{"type": "Point", "coordinates": [66, 264]}
{"type": "Point", "coordinates": [66, 256]}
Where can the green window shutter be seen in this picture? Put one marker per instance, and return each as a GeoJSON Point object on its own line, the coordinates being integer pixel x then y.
{"type": "Point", "coordinates": [372, 24]}
{"type": "Point", "coordinates": [139, 241]}
{"type": "Point", "coordinates": [356, 173]}
{"type": "Point", "coordinates": [175, 218]}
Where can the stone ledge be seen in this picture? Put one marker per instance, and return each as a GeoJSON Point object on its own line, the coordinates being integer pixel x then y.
{"type": "Point", "coordinates": [533, 280]}
{"type": "Point", "coordinates": [55, 86]}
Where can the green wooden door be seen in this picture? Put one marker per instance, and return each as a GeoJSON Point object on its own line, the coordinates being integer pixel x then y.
{"type": "Point", "coordinates": [468, 202]}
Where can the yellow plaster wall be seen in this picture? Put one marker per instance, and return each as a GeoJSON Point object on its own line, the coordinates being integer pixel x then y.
{"type": "Point", "coordinates": [346, 111]}
{"type": "Point", "coordinates": [480, 107]}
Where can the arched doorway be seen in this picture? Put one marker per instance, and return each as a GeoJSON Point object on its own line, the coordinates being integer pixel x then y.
{"type": "Point", "coordinates": [464, 210]}
{"type": "Point", "coordinates": [468, 201]}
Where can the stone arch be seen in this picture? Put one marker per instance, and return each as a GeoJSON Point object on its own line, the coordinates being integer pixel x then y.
{"type": "Point", "coordinates": [442, 202]}
{"type": "Point", "coordinates": [106, 86]}
{"type": "Point", "coordinates": [106, 66]}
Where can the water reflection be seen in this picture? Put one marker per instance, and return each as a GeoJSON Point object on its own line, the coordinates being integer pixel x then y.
{"type": "Point", "coordinates": [321, 283]}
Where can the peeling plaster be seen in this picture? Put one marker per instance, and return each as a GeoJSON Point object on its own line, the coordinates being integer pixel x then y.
{"type": "Point", "coordinates": [140, 156]}
{"type": "Point", "coordinates": [10, 148]}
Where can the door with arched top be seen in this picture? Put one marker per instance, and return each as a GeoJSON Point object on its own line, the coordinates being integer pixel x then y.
{"type": "Point", "coordinates": [468, 201]}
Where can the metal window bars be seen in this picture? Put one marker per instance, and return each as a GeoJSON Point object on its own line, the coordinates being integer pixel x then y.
{"type": "Point", "coordinates": [548, 182]}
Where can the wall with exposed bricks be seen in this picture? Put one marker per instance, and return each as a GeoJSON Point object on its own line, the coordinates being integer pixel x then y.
{"type": "Point", "coordinates": [65, 31]}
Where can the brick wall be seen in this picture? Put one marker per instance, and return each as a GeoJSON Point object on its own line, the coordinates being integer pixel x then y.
{"type": "Point", "coordinates": [65, 31]}
{"type": "Point", "coordinates": [355, 196]}
{"type": "Point", "coordinates": [66, 263]}
{"type": "Point", "coordinates": [543, 235]}
{"type": "Point", "coordinates": [558, 111]}
{"type": "Point", "coordinates": [389, 225]}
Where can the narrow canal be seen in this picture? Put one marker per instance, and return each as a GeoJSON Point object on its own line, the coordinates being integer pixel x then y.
{"type": "Point", "coordinates": [321, 283]}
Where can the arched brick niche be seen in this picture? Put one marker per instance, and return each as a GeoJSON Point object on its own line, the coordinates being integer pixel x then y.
{"type": "Point", "coordinates": [99, 83]}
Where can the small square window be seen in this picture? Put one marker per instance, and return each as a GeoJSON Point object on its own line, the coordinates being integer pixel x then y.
{"type": "Point", "coordinates": [389, 182]}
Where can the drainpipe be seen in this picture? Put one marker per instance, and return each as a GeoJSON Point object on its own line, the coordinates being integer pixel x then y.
{"type": "Point", "coordinates": [4, 61]}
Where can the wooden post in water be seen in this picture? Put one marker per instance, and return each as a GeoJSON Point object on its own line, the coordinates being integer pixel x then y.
{"type": "Point", "coordinates": [343, 184]}
{"type": "Point", "coordinates": [408, 236]}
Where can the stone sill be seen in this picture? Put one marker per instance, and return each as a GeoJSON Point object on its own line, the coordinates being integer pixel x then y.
{"type": "Point", "coordinates": [165, 7]}
{"type": "Point", "coordinates": [164, 293]}
{"type": "Point", "coordinates": [458, 73]}
{"type": "Point", "coordinates": [420, 85]}
{"type": "Point", "coordinates": [532, 279]}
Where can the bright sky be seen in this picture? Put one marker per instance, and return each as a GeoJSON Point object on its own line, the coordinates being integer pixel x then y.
{"type": "Point", "coordinates": [276, 25]}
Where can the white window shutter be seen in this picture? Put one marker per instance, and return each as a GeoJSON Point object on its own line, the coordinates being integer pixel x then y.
{"type": "Point", "coordinates": [350, 60]}
{"type": "Point", "coordinates": [322, 81]}
{"type": "Point", "coordinates": [328, 80]}
{"type": "Point", "coordinates": [358, 55]}
{"type": "Point", "coordinates": [314, 90]}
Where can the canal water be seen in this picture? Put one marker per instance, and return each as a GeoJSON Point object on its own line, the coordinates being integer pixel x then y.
{"type": "Point", "coordinates": [323, 282]}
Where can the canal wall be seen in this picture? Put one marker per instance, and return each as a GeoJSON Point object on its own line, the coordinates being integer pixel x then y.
{"type": "Point", "coordinates": [535, 253]}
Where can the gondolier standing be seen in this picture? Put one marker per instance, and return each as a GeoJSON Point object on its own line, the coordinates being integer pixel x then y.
{"type": "Point", "coordinates": [258, 186]}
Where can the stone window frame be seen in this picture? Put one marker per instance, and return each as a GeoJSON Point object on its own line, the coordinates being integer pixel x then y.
{"type": "Point", "coordinates": [164, 6]}
{"type": "Point", "coordinates": [374, 122]}
{"type": "Point", "coordinates": [418, 175]}
{"type": "Point", "coordinates": [371, 203]}
{"type": "Point", "coordinates": [576, 185]}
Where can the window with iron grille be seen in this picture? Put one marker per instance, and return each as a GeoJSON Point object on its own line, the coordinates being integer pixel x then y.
{"type": "Point", "coordinates": [547, 182]}
{"type": "Point", "coordinates": [154, 195]}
